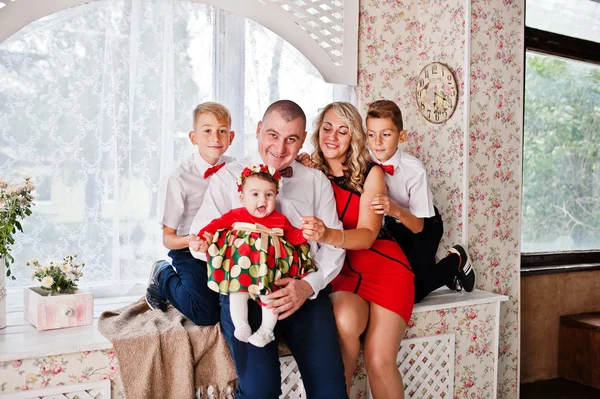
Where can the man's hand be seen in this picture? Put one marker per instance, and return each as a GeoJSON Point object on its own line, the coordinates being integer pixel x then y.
{"type": "Point", "coordinates": [381, 204]}
{"type": "Point", "coordinates": [286, 300]}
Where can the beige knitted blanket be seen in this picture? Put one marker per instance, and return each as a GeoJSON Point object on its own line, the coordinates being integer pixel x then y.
{"type": "Point", "coordinates": [164, 355]}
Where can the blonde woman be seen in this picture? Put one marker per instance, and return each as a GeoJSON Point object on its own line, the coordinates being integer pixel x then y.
{"type": "Point", "coordinates": [374, 292]}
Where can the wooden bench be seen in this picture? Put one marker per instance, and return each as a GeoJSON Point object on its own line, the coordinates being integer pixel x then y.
{"type": "Point", "coordinates": [579, 348]}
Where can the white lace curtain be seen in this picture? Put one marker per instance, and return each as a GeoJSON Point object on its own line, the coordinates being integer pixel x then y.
{"type": "Point", "coordinates": [96, 106]}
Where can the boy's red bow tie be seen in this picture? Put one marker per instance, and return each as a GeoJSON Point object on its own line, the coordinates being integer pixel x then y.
{"type": "Point", "coordinates": [213, 169]}
{"type": "Point", "coordinates": [389, 169]}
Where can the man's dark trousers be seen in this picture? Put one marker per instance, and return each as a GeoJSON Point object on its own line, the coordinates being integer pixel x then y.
{"type": "Point", "coordinates": [311, 335]}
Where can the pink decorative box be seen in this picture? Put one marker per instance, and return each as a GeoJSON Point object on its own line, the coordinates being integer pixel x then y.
{"type": "Point", "coordinates": [47, 312]}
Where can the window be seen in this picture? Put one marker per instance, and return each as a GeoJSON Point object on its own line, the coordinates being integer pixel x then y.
{"type": "Point", "coordinates": [561, 146]}
{"type": "Point", "coordinates": [97, 106]}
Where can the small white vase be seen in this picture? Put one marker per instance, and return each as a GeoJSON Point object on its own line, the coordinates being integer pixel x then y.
{"type": "Point", "coordinates": [3, 293]}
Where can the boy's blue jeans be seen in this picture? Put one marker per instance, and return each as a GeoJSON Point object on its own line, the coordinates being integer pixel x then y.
{"type": "Point", "coordinates": [311, 335]}
{"type": "Point", "coordinates": [186, 288]}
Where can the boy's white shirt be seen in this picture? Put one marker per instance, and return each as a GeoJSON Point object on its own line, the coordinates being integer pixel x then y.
{"type": "Point", "coordinates": [307, 193]}
{"type": "Point", "coordinates": [408, 186]}
{"type": "Point", "coordinates": [185, 191]}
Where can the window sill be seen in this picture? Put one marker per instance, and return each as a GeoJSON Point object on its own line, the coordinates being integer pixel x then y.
{"type": "Point", "coordinates": [20, 340]}
{"type": "Point", "coordinates": [554, 269]}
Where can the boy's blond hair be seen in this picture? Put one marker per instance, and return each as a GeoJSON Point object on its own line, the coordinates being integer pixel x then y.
{"type": "Point", "coordinates": [220, 112]}
{"type": "Point", "coordinates": [386, 109]}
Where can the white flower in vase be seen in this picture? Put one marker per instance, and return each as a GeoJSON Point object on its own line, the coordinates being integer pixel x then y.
{"type": "Point", "coordinates": [47, 282]}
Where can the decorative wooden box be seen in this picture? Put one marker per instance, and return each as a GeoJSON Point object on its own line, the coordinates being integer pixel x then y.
{"type": "Point", "coordinates": [48, 312]}
{"type": "Point", "coordinates": [579, 348]}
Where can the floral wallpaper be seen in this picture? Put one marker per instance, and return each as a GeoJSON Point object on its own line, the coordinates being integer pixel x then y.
{"type": "Point", "coordinates": [396, 40]}
{"type": "Point", "coordinates": [495, 166]}
{"type": "Point", "coordinates": [51, 371]}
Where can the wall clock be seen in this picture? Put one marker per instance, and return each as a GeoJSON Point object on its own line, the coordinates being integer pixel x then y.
{"type": "Point", "coordinates": [437, 93]}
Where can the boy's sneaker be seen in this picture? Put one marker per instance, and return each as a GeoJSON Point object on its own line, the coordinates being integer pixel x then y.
{"type": "Point", "coordinates": [465, 279]}
{"type": "Point", "coordinates": [455, 286]}
{"type": "Point", "coordinates": [154, 298]}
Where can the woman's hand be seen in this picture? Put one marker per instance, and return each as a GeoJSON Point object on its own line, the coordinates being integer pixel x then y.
{"type": "Point", "coordinates": [304, 159]}
{"type": "Point", "coordinates": [381, 204]}
{"type": "Point", "coordinates": [314, 229]}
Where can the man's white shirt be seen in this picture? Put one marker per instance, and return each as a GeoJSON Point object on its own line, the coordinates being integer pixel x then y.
{"type": "Point", "coordinates": [186, 187]}
{"type": "Point", "coordinates": [408, 186]}
{"type": "Point", "coordinates": [307, 193]}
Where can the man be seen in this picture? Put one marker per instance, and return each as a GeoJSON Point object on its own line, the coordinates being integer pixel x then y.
{"type": "Point", "coordinates": [306, 319]}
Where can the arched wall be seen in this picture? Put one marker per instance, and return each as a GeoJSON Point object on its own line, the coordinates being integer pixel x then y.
{"type": "Point", "coordinates": [325, 32]}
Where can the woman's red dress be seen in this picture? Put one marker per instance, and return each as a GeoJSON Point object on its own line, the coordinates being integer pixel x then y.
{"type": "Point", "coordinates": [380, 274]}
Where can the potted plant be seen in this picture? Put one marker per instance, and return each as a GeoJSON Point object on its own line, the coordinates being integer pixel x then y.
{"type": "Point", "coordinates": [57, 303]}
{"type": "Point", "coordinates": [15, 203]}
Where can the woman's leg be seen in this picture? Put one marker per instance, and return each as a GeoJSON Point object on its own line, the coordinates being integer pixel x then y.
{"type": "Point", "coordinates": [382, 342]}
{"type": "Point", "coordinates": [238, 306]}
{"type": "Point", "coordinates": [351, 316]}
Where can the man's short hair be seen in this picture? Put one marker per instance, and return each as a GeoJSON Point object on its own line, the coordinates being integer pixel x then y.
{"type": "Point", "coordinates": [386, 109]}
{"type": "Point", "coordinates": [288, 110]}
{"type": "Point", "coordinates": [220, 112]}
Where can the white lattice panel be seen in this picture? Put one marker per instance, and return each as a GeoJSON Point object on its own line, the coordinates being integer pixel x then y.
{"type": "Point", "coordinates": [323, 20]}
{"type": "Point", "coordinates": [91, 390]}
{"type": "Point", "coordinates": [427, 367]}
{"type": "Point", "coordinates": [291, 382]}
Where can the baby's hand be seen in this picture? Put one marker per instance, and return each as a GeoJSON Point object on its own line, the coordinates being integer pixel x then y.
{"type": "Point", "coordinates": [305, 160]}
{"type": "Point", "coordinates": [380, 204]}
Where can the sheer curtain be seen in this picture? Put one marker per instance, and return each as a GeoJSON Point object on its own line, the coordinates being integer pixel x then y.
{"type": "Point", "coordinates": [96, 107]}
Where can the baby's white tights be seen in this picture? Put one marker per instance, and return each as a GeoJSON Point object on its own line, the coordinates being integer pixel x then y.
{"type": "Point", "coordinates": [238, 307]}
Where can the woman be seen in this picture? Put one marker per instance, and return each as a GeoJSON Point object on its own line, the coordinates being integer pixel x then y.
{"type": "Point", "coordinates": [374, 292]}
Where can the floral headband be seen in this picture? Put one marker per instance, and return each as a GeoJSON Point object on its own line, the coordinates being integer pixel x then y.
{"type": "Point", "coordinates": [256, 169]}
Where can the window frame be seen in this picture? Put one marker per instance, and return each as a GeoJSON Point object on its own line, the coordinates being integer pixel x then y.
{"type": "Point", "coordinates": [550, 43]}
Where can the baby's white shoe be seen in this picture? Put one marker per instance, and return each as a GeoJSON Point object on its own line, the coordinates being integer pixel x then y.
{"type": "Point", "coordinates": [242, 332]}
{"type": "Point", "coordinates": [261, 337]}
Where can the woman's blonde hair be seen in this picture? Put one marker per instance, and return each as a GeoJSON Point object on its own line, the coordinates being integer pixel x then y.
{"type": "Point", "coordinates": [357, 155]}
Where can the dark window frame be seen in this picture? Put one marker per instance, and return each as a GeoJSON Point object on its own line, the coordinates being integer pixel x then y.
{"type": "Point", "coordinates": [555, 44]}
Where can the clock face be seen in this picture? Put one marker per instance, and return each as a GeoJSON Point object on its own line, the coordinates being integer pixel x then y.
{"type": "Point", "coordinates": [436, 92]}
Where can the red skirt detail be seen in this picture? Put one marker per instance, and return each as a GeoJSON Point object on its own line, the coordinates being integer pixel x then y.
{"type": "Point", "coordinates": [380, 274]}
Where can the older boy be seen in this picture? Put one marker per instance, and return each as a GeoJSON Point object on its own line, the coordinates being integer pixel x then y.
{"type": "Point", "coordinates": [184, 283]}
{"type": "Point", "coordinates": [410, 215]}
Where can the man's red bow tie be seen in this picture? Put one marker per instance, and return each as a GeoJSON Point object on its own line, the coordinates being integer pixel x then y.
{"type": "Point", "coordinates": [389, 169]}
{"type": "Point", "coordinates": [287, 172]}
{"type": "Point", "coordinates": [213, 169]}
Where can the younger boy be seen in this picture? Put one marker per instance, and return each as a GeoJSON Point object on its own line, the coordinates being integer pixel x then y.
{"type": "Point", "coordinates": [410, 215]}
{"type": "Point", "coordinates": [184, 284]}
